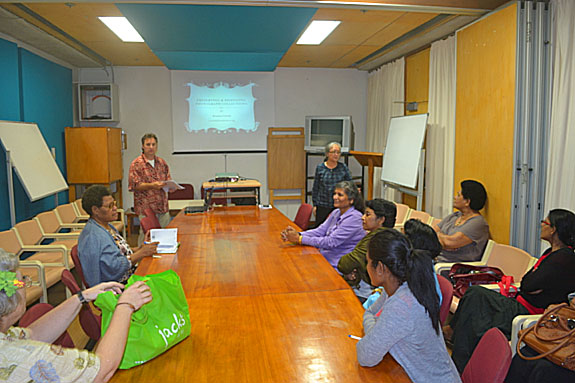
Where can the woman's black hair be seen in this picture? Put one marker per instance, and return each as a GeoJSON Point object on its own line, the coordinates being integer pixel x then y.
{"type": "Point", "coordinates": [352, 193]}
{"type": "Point", "coordinates": [93, 196]}
{"type": "Point", "coordinates": [475, 193]}
{"type": "Point", "coordinates": [422, 237]}
{"type": "Point", "coordinates": [564, 223]}
{"type": "Point", "coordinates": [383, 208]}
{"type": "Point", "coordinates": [394, 250]}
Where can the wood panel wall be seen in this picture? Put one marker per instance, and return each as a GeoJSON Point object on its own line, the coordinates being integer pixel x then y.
{"type": "Point", "coordinates": [485, 113]}
{"type": "Point", "coordinates": [416, 89]}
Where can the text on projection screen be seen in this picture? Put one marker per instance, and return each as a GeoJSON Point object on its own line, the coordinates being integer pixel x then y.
{"type": "Point", "coordinates": [221, 108]}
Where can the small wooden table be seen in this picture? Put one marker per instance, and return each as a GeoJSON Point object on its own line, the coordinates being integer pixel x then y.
{"type": "Point", "coordinates": [261, 310]}
{"type": "Point", "coordinates": [229, 190]}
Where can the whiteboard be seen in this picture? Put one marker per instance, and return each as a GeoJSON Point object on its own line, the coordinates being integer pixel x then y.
{"type": "Point", "coordinates": [403, 149]}
{"type": "Point", "coordinates": [32, 159]}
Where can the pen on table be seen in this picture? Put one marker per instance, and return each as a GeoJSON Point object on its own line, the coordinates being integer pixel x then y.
{"type": "Point", "coordinates": [156, 256]}
{"type": "Point", "coordinates": [354, 337]}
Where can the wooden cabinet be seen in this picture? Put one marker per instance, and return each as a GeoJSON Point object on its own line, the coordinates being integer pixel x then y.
{"type": "Point", "coordinates": [94, 156]}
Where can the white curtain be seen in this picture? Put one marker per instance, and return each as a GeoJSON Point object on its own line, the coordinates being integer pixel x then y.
{"type": "Point", "coordinates": [560, 188]}
{"type": "Point", "coordinates": [385, 96]}
{"type": "Point", "coordinates": [440, 148]}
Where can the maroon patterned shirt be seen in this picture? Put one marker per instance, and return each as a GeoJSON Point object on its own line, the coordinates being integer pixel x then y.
{"type": "Point", "coordinates": [141, 171]}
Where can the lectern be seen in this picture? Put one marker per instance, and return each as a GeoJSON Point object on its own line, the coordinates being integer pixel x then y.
{"type": "Point", "coordinates": [371, 160]}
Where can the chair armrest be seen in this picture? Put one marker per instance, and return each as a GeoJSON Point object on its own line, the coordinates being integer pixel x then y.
{"type": "Point", "coordinates": [26, 264]}
{"type": "Point", "coordinates": [520, 322]}
{"type": "Point", "coordinates": [73, 235]}
{"type": "Point", "coordinates": [73, 225]}
{"type": "Point", "coordinates": [443, 266]}
{"type": "Point", "coordinates": [49, 249]}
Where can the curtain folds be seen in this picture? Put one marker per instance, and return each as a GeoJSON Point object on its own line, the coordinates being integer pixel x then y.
{"type": "Point", "coordinates": [440, 148]}
{"type": "Point", "coordinates": [560, 177]}
{"type": "Point", "coordinates": [385, 94]}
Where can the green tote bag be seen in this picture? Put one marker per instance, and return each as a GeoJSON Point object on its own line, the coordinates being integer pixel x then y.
{"type": "Point", "coordinates": [156, 326]}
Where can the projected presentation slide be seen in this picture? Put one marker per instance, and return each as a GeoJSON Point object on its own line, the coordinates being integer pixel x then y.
{"type": "Point", "coordinates": [221, 111]}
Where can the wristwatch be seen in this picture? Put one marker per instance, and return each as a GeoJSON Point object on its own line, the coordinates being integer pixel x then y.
{"type": "Point", "coordinates": [81, 297]}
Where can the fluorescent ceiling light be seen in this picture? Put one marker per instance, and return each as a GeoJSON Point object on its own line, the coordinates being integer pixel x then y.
{"type": "Point", "coordinates": [123, 29]}
{"type": "Point", "coordinates": [317, 31]}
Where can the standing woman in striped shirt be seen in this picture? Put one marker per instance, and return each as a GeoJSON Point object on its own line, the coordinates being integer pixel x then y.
{"type": "Point", "coordinates": [327, 174]}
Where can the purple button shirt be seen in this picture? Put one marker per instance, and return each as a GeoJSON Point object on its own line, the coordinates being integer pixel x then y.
{"type": "Point", "coordinates": [337, 236]}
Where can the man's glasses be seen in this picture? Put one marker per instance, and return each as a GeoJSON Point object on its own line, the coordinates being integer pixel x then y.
{"type": "Point", "coordinates": [111, 205]}
{"type": "Point", "coordinates": [545, 222]}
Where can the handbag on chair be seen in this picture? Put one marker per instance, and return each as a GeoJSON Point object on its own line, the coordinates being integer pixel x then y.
{"type": "Point", "coordinates": [462, 276]}
{"type": "Point", "coordinates": [553, 336]}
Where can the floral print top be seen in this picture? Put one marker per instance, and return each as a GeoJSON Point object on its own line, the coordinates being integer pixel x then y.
{"type": "Point", "coordinates": [26, 360]}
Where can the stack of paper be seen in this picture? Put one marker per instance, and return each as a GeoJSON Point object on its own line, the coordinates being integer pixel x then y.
{"type": "Point", "coordinates": [167, 238]}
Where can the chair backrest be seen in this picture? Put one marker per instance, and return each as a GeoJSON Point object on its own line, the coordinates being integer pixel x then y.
{"type": "Point", "coordinates": [38, 311]}
{"type": "Point", "coordinates": [420, 215]}
{"type": "Point", "coordinates": [303, 215]}
{"type": "Point", "coordinates": [401, 215]}
{"type": "Point", "coordinates": [490, 360]}
{"type": "Point", "coordinates": [186, 193]}
{"type": "Point", "coordinates": [511, 260]}
{"type": "Point", "coordinates": [76, 258]}
{"type": "Point", "coordinates": [9, 241]}
{"type": "Point", "coordinates": [29, 232]}
{"type": "Point", "coordinates": [149, 213]}
{"type": "Point", "coordinates": [90, 322]}
{"type": "Point", "coordinates": [446, 297]}
{"type": "Point", "coordinates": [148, 224]}
{"type": "Point", "coordinates": [79, 207]}
{"type": "Point", "coordinates": [67, 213]}
{"type": "Point", "coordinates": [49, 221]}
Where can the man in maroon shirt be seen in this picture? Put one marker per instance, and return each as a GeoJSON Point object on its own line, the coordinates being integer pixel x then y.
{"type": "Point", "coordinates": [147, 178]}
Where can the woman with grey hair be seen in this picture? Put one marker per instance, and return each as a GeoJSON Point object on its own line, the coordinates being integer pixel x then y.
{"type": "Point", "coordinates": [27, 354]}
{"type": "Point", "coordinates": [342, 230]}
{"type": "Point", "coordinates": [327, 174]}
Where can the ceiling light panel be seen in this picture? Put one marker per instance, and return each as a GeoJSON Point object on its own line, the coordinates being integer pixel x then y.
{"type": "Point", "coordinates": [317, 31]}
{"type": "Point", "coordinates": [123, 29]}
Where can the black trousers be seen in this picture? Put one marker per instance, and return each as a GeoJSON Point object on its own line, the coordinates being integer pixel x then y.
{"type": "Point", "coordinates": [321, 214]}
{"type": "Point", "coordinates": [536, 371]}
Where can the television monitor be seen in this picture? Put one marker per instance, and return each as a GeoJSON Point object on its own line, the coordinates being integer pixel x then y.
{"type": "Point", "coordinates": [321, 130]}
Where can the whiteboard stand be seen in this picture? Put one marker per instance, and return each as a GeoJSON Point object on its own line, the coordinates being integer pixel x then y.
{"type": "Point", "coordinates": [418, 193]}
{"type": "Point", "coordinates": [10, 188]}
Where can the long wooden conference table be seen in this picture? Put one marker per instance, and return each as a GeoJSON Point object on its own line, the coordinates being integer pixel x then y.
{"type": "Point", "coordinates": [261, 310]}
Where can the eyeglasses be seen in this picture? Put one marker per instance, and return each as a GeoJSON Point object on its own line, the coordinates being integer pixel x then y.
{"type": "Point", "coordinates": [334, 152]}
{"type": "Point", "coordinates": [111, 205]}
{"type": "Point", "coordinates": [545, 222]}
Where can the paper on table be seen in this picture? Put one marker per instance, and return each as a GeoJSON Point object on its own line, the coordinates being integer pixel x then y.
{"type": "Point", "coordinates": [167, 238]}
{"type": "Point", "coordinates": [172, 185]}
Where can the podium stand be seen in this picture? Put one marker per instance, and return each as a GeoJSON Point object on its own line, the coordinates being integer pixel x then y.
{"type": "Point", "coordinates": [371, 160]}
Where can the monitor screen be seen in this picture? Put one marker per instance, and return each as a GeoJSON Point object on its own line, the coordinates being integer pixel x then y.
{"type": "Point", "coordinates": [325, 131]}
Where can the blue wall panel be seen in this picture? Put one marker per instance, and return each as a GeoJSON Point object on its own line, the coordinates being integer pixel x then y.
{"type": "Point", "coordinates": [44, 96]}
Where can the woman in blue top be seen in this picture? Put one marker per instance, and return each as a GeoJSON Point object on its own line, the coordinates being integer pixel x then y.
{"type": "Point", "coordinates": [404, 321]}
{"type": "Point", "coordinates": [327, 174]}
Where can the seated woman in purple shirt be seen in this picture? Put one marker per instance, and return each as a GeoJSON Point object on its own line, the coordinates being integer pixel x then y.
{"type": "Point", "coordinates": [342, 230]}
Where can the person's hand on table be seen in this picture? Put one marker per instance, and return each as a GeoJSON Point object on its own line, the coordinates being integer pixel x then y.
{"type": "Point", "coordinates": [148, 249]}
{"type": "Point", "coordinates": [291, 235]}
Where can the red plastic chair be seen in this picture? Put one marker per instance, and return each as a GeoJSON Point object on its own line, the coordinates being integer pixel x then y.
{"type": "Point", "coordinates": [90, 322]}
{"type": "Point", "coordinates": [149, 213]}
{"type": "Point", "coordinates": [186, 193]}
{"type": "Point", "coordinates": [148, 224]}
{"type": "Point", "coordinates": [490, 360]}
{"type": "Point", "coordinates": [38, 311]}
{"type": "Point", "coordinates": [303, 215]}
{"type": "Point", "coordinates": [446, 297]}
{"type": "Point", "coordinates": [76, 258]}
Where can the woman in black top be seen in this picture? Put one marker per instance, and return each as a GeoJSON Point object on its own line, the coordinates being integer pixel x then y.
{"type": "Point", "coordinates": [548, 282]}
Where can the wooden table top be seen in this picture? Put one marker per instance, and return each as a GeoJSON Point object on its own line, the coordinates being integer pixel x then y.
{"type": "Point", "coordinates": [231, 185]}
{"type": "Point", "coordinates": [261, 310]}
